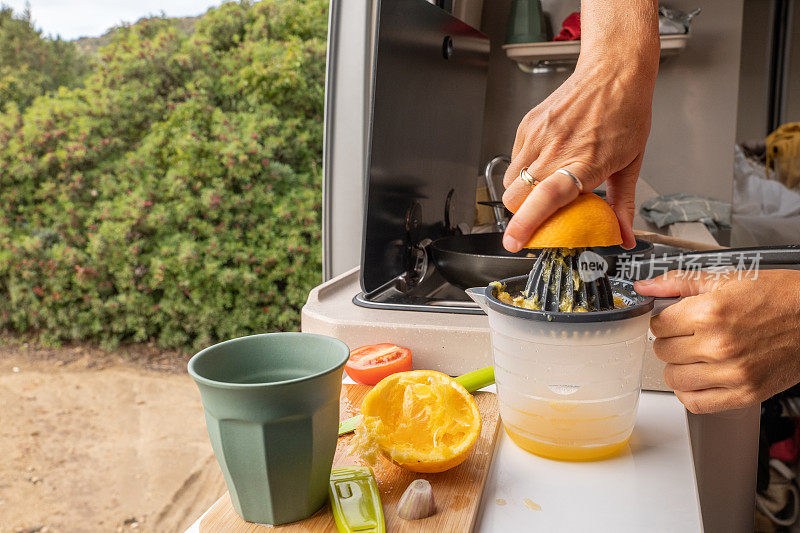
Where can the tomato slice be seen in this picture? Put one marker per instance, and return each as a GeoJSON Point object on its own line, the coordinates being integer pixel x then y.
{"type": "Point", "coordinates": [370, 364]}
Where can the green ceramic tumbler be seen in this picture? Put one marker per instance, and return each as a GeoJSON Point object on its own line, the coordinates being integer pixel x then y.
{"type": "Point", "coordinates": [526, 22]}
{"type": "Point", "coordinates": [271, 403]}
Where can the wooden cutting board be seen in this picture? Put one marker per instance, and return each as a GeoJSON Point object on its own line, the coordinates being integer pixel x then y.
{"type": "Point", "coordinates": [457, 491]}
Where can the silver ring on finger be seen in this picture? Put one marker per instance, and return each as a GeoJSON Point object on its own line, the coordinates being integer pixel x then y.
{"type": "Point", "coordinates": [525, 176]}
{"type": "Point", "coordinates": [569, 174]}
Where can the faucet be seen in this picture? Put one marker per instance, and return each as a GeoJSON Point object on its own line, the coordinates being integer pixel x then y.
{"type": "Point", "coordinates": [499, 211]}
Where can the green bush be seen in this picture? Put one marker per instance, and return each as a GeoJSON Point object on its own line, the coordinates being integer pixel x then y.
{"type": "Point", "coordinates": [32, 65]}
{"type": "Point", "coordinates": [176, 195]}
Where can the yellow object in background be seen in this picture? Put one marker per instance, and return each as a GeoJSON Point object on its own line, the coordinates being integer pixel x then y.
{"type": "Point", "coordinates": [783, 154]}
{"type": "Point", "coordinates": [484, 215]}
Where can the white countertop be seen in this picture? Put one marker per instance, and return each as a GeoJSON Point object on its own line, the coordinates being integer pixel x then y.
{"type": "Point", "coordinates": [648, 487]}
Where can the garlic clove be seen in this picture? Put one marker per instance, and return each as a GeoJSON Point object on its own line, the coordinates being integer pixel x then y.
{"type": "Point", "coordinates": [417, 501]}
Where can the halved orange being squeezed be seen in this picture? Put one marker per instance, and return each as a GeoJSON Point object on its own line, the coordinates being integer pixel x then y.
{"type": "Point", "coordinates": [421, 420]}
{"type": "Point", "coordinates": [585, 222]}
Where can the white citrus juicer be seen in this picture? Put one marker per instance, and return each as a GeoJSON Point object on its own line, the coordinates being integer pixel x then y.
{"type": "Point", "coordinates": [568, 383]}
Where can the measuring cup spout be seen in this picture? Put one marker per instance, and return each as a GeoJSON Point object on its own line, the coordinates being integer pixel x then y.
{"type": "Point", "coordinates": [478, 295]}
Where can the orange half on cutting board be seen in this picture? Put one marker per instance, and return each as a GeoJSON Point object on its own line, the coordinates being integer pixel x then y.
{"type": "Point", "coordinates": [421, 420]}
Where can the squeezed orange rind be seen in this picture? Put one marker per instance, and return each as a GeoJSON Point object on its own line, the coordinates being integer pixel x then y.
{"type": "Point", "coordinates": [421, 420]}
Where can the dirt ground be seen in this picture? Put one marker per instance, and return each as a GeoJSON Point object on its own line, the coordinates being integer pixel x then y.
{"type": "Point", "coordinates": [91, 441]}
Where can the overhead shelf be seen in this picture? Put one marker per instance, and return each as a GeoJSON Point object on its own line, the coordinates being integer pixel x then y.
{"type": "Point", "coordinates": [531, 56]}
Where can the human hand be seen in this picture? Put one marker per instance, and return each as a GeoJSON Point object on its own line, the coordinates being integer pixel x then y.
{"type": "Point", "coordinates": [731, 342]}
{"type": "Point", "coordinates": [596, 126]}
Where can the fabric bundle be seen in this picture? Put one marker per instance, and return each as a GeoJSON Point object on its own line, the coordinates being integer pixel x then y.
{"type": "Point", "coordinates": [665, 210]}
{"type": "Point", "coordinates": [570, 29]}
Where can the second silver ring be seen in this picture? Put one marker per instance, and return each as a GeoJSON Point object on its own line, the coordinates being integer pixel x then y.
{"type": "Point", "coordinates": [574, 178]}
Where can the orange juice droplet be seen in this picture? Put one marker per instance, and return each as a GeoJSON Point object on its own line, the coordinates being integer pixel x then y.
{"type": "Point", "coordinates": [532, 505]}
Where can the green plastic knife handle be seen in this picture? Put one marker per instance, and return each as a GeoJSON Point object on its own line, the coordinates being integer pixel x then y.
{"type": "Point", "coordinates": [472, 381]}
{"type": "Point", "coordinates": [355, 500]}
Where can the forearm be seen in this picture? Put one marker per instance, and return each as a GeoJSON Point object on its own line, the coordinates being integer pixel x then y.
{"type": "Point", "coordinates": [595, 125]}
{"type": "Point", "coordinates": [620, 32]}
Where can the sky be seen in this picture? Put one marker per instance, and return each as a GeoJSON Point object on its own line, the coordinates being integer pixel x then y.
{"type": "Point", "coordinates": [89, 18]}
